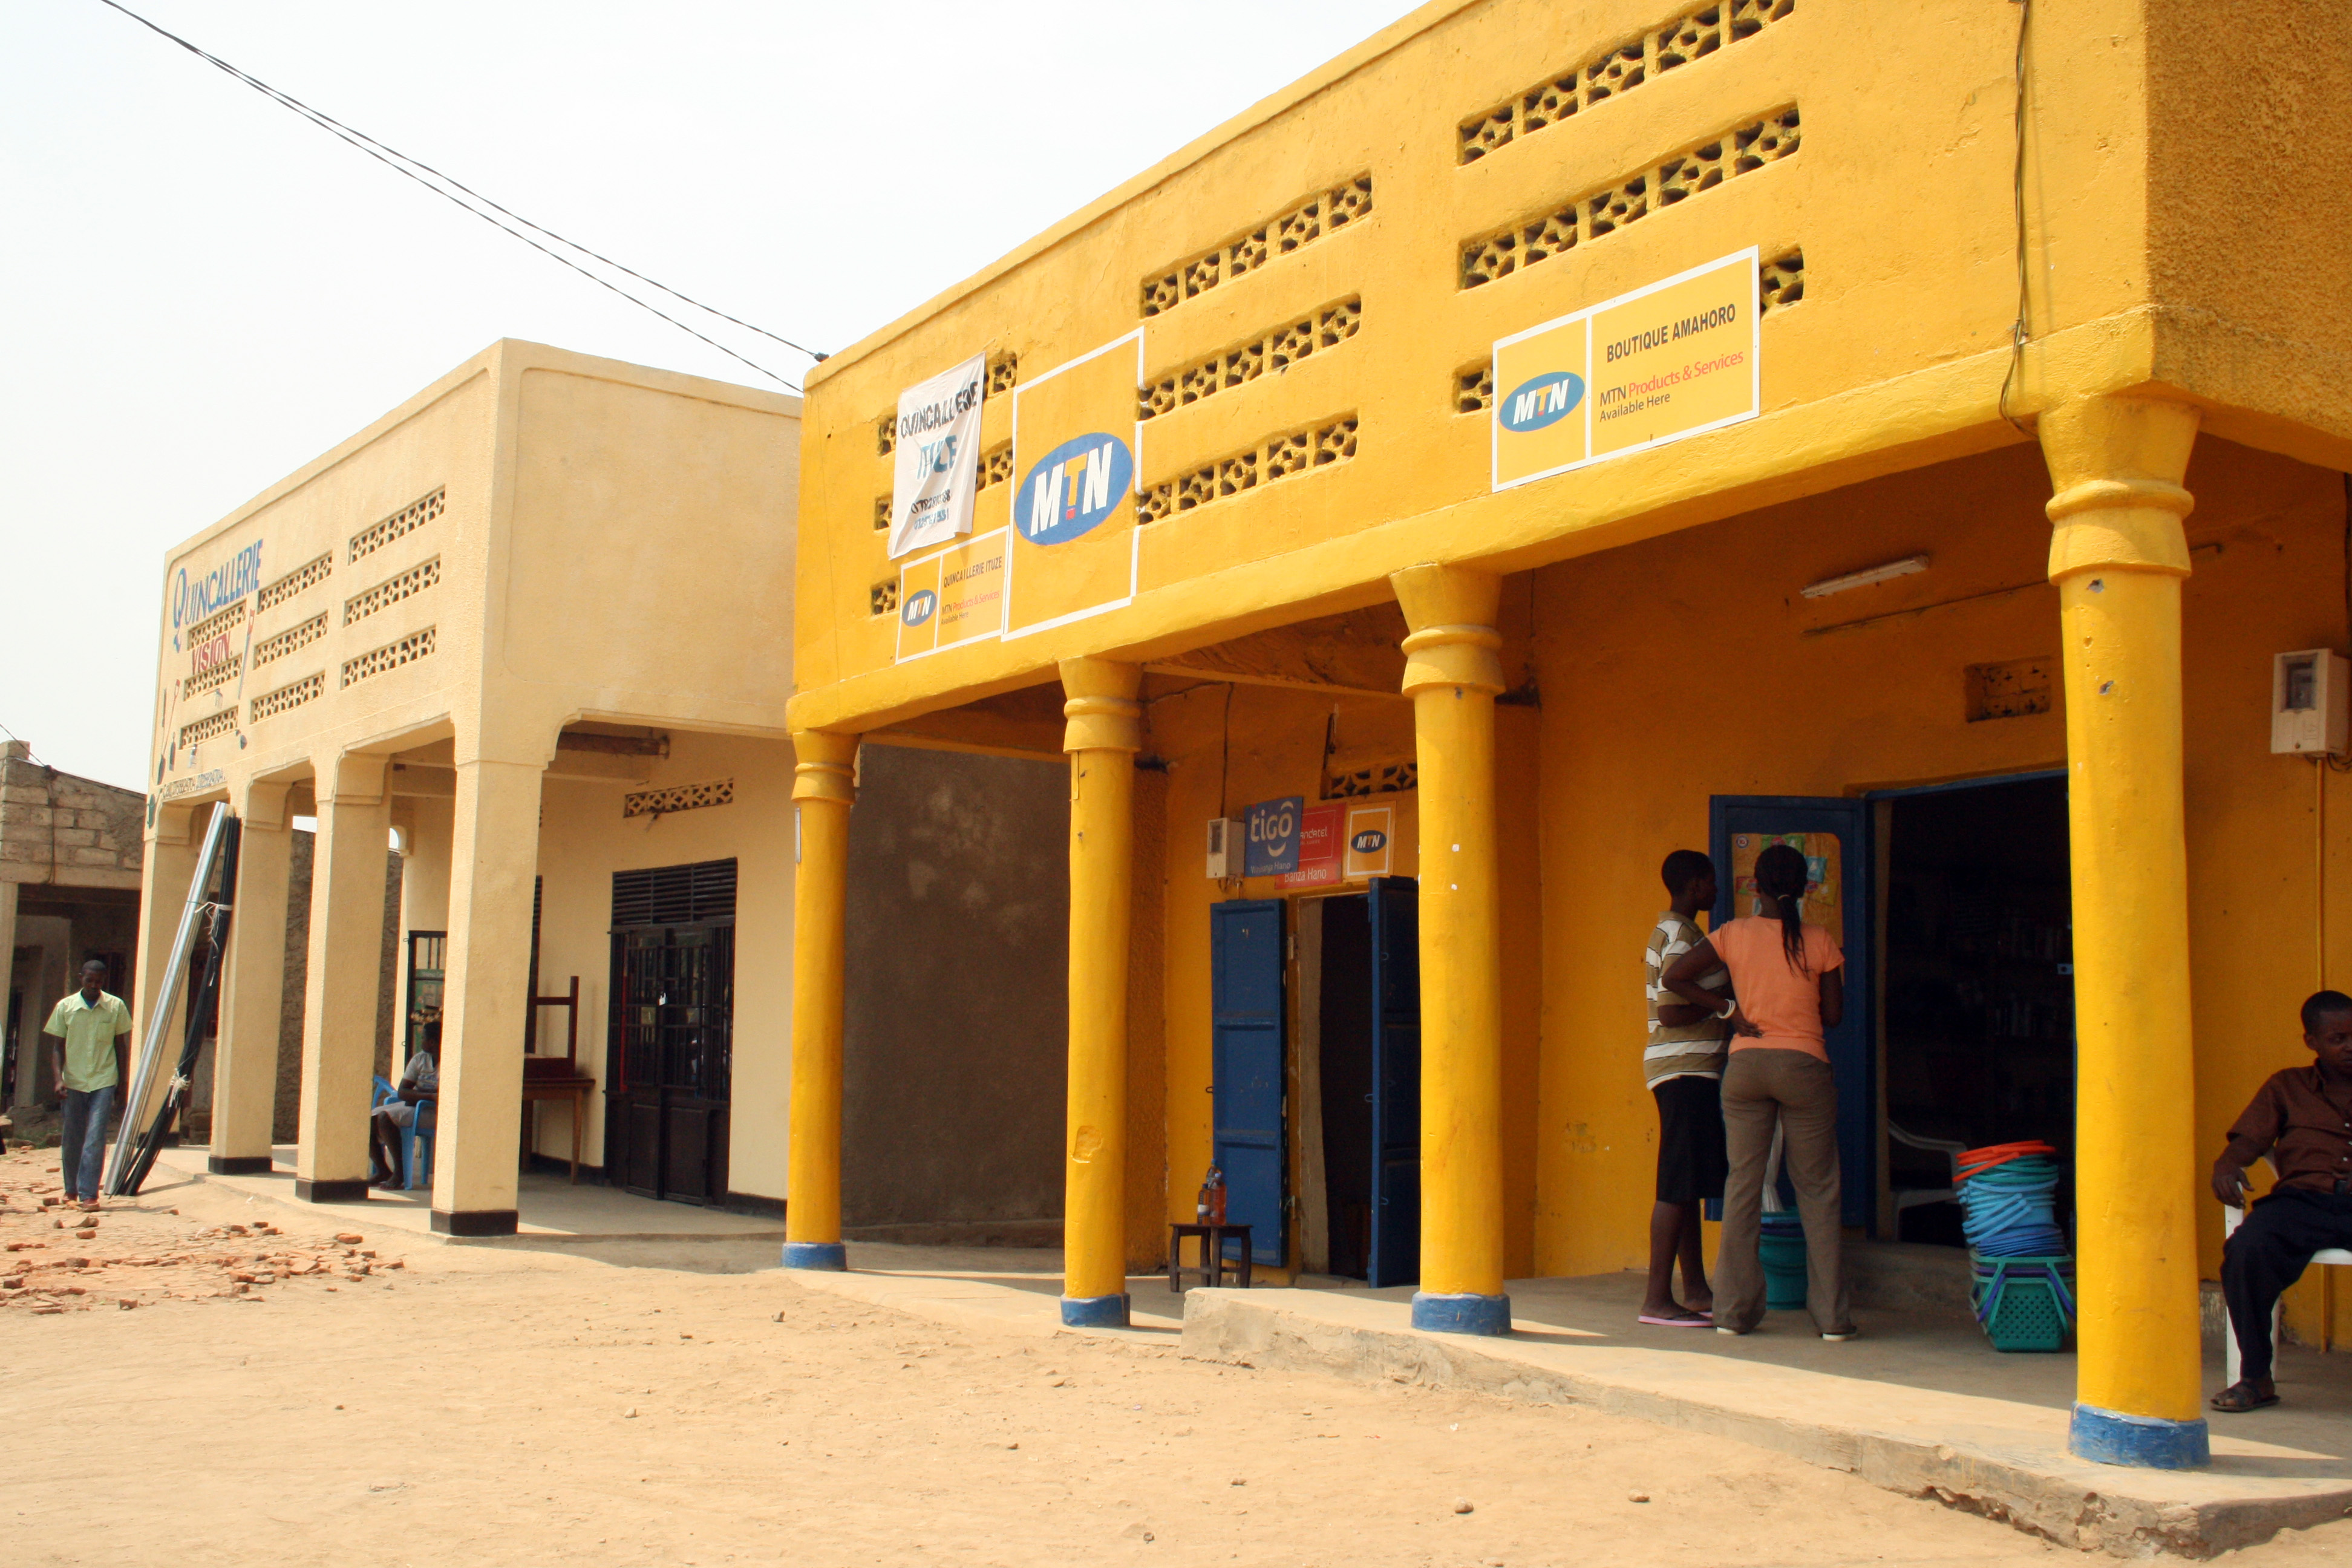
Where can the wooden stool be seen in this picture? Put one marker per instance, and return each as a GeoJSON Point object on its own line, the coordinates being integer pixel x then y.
{"type": "Point", "coordinates": [1212, 1253]}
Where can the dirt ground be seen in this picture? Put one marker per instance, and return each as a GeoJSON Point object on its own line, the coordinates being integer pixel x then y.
{"type": "Point", "coordinates": [685, 1402]}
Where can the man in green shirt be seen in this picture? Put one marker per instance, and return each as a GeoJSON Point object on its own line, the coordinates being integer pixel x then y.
{"type": "Point", "coordinates": [92, 1028]}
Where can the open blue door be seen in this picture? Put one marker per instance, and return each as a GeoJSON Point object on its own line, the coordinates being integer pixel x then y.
{"type": "Point", "coordinates": [1245, 969]}
{"type": "Point", "coordinates": [1396, 1082]}
{"type": "Point", "coordinates": [1834, 836]}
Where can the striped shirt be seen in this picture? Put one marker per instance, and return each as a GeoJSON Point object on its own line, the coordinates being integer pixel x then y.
{"type": "Point", "coordinates": [1679, 1050]}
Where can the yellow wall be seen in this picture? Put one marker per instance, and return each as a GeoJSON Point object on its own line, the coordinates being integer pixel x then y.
{"type": "Point", "coordinates": [1681, 668]}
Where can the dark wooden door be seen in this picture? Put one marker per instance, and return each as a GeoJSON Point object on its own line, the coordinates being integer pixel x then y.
{"type": "Point", "coordinates": [1396, 1082]}
{"type": "Point", "coordinates": [673, 1026]}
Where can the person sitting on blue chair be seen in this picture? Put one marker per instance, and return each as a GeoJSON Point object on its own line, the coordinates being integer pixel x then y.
{"type": "Point", "coordinates": [421, 1081]}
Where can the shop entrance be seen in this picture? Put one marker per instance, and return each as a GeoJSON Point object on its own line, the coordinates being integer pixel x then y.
{"type": "Point", "coordinates": [1360, 1061]}
{"type": "Point", "coordinates": [1980, 990]}
{"type": "Point", "coordinates": [671, 1050]}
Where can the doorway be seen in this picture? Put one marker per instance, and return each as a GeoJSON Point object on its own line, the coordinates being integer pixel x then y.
{"type": "Point", "coordinates": [672, 1035]}
{"type": "Point", "coordinates": [1366, 1045]}
{"type": "Point", "coordinates": [1980, 989]}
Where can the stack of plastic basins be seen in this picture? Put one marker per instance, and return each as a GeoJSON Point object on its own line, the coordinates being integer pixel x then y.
{"type": "Point", "coordinates": [2022, 1276]}
{"type": "Point", "coordinates": [1780, 1247]}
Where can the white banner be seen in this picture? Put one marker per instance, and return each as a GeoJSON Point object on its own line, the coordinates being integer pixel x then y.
{"type": "Point", "coordinates": [938, 451]}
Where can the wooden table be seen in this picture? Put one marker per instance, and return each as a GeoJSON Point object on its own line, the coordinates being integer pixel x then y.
{"type": "Point", "coordinates": [1212, 1253]}
{"type": "Point", "coordinates": [545, 1086]}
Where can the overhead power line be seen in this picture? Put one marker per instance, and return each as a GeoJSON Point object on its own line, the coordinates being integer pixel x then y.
{"type": "Point", "coordinates": [466, 197]}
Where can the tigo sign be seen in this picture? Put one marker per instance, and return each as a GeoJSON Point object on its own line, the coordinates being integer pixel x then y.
{"type": "Point", "coordinates": [1073, 487]}
{"type": "Point", "coordinates": [1273, 844]}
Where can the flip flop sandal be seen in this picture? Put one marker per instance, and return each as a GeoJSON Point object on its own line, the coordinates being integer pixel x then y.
{"type": "Point", "coordinates": [2238, 1398]}
{"type": "Point", "coordinates": [1691, 1321]}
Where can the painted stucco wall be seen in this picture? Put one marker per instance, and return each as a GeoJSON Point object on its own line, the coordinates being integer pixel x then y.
{"type": "Point", "coordinates": [956, 1028]}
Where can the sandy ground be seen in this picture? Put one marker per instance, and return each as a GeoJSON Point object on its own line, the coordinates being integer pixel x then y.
{"type": "Point", "coordinates": [657, 1402]}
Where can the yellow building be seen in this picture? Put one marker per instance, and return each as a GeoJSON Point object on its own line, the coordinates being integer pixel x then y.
{"type": "Point", "coordinates": [1546, 437]}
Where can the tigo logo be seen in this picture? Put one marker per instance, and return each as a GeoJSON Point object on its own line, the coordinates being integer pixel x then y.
{"type": "Point", "coordinates": [918, 606]}
{"type": "Point", "coordinates": [1371, 841]}
{"type": "Point", "coordinates": [1546, 400]}
{"type": "Point", "coordinates": [1073, 489]}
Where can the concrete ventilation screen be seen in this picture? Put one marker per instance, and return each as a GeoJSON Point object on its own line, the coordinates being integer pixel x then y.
{"type": "Point", "coordinates": [269, 704]}
{"type": "Point", "coordinates": [204, 729]}
{"type": "Point", "coordinates": [216, 674]}
{"type": "Point", "coordinates": [1003, 373]}
{"type": "Point", "coordinates": [882, 598]}
{"type": "Point", "coordinates": [301, 634]}
{"type": "Point", "coordinates": [1277, 350]}
{"type": "Point", "coordinates": [1614, 71]}
{"type": "Point", "coordinates": [699, 894]}
{"type": "Point", "coordinates": [2010, 690]}
{"type": "Point", "coordinates": [384, 594]}
{"type": "Point", "coordinates": [881, 513]}
{"type": "Point", "coordinates": [1292, 229]}
{"type": "Point", "coordinates": [1380, 778]}
{"type": "Point", "coordinates": [1278, 459]}
{"type": "Point", "coordinates": [1780, 281]}
{"type": "Point", "coordinates": [1474, 389]}
{"type": "Point", "coordinates": [996, 465]}
{"type": "Point", "coordinates": [1699, 167]}
{"type": "Point", "coordinates": [678, 798]}
{"type": "Point", "coordinates": [213, 626]}
{"type": "Point", "coordinates": [407, 520]}
{"type": "Point", "coordinates": [391, 656]}
{"type": "Point", "coordinates": [304, 576]}
{"type": "Point", "coordinates": [886, 434]}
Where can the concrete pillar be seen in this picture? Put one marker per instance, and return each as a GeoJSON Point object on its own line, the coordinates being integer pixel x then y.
{"type": "Point", "coordinates": [2117, 554]}
{"type": "Point", "coordinates": [494, 856]}
{"type": "Point", "coordinates": [1452, 673]}
{"type": "Point", "coordinates": [339, 996]}
{"type": "Point", "coordinates": [1104, 729]}
{"type": "Point", "coordinates": [823, 789]}
{"type": "Point", "coordinates": [166, 868]}
{"type": "Point", "coordinates": [253, 988]}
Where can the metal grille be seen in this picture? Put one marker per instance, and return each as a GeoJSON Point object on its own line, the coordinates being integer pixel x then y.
{"type": "Point", "coordinates": [675, 1006]}
{"type": "Point", "coordinates": [701, 893]}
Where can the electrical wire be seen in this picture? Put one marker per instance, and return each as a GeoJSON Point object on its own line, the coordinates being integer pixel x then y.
{"type": "Point", "coordinates": [417, 170]}
{"type": "Point", "coordinates": [2019, 331]}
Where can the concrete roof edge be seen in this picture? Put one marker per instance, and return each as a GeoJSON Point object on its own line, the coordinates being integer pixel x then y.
{"type": "Point", "coordinates": [1332, 71]}
{"type": "Point", "coordinates": [516, 354]}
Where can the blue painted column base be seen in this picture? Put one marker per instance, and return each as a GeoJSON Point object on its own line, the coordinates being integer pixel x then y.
{"type": "Point", "coordinates": [1461, 1314]}
{"type": "Point", "coordinates": [830, 1255]}
{"type": "Point", "coordinates": [1095, 1312]}
{"type": "Point", "coordinates": [2112, 1437]}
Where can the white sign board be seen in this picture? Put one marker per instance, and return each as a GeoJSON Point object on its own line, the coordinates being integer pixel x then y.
{"type": "Point", "coordinates": [938, 453]}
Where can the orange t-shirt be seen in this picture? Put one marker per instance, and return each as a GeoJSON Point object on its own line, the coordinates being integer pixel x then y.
{"type": "Point", "coordinates": [1780, 1000]}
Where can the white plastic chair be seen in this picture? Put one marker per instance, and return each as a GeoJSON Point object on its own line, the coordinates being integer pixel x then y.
{"type": "Point", "coordinates": [1912, 1197]}
{"type": "Point", "coordinates": [2326, 1257]}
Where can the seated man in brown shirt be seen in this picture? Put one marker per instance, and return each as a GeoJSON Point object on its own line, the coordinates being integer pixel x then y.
{"type": "Point", "coordinates": [2303, 1118]}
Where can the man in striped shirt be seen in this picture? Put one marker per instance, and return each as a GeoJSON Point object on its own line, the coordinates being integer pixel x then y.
{"type": "Point", "coordinates": [1684, 1064]}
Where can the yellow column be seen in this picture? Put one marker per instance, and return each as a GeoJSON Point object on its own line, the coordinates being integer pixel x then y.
{"type": "Point", "coordinates": [1452, 672]}
{"type": "Point", "coordinates": [2117, 554]}
{"type": "Point", "coordinates": [1103, 732]}
{"type": "Point", "coordinates": [347, 874]}
{"type": "Point", "coordinates": [478, 1124]}
{"type": "Point", "coordinates": [253, 988]}
{"type": "Point", "coordinates": [823, 788]}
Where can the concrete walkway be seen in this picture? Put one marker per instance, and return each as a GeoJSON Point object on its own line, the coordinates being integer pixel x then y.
{"type": "Point", "coordinates": [1919, 1404]}
{"type": "Point", "coordinates": [550, 1208]}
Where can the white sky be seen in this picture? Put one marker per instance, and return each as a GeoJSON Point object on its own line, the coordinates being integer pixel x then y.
{"type": "Point", "coordinates": [199, 292]}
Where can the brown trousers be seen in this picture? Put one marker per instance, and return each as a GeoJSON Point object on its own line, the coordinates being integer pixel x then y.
{"type": "Point", "coordinates": [1761, 1085]}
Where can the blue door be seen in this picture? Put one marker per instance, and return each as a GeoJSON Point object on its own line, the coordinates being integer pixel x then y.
{"type": "Point", "coordinates": [1245, 969]}
{"type": "Point", "coordinates": [1834, 836]}
{"type": "Point", "coordinates": [1396, 1082]}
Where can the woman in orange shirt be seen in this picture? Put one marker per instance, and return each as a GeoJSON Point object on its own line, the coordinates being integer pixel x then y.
{"type": "Point", "coordinates": [1789, 981]}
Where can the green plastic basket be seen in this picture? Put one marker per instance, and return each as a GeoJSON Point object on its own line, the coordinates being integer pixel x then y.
{"type": "Point", "coordinates": [2031, 1314]}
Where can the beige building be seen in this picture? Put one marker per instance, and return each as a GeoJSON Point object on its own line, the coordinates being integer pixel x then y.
{"type": "Point", "coordinates": [532, 628]}
{"type": "Point", "coordinates": [70, 853]}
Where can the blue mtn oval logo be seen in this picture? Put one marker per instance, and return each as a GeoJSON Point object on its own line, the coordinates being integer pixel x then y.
{"type": "Point", "coordinates": [1073, 489]}
{"type": "Point", "coordinates": [1546, 400]}
{"type": "Point", "coordinates": [1371, 841]}
{"type": "Point", "coordinates": [918, 606]}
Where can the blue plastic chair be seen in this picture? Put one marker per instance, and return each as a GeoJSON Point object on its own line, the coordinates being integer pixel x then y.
{"type": "Point", "coordinates": [416, 1139]}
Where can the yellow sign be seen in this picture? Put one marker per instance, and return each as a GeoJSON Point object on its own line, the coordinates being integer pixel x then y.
{"type": "Point", "coordinates": [1076, 448]}
{"type": "Point", "coordinates": [952, 596]}
{"type": "Point", "coordinates": [1671, 359]}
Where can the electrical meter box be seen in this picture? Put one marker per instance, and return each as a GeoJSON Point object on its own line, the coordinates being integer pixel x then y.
{"type": "Point", "coordinates": [1225, 855]}
{"type": "Point", "coordinates": [2311, 703]}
